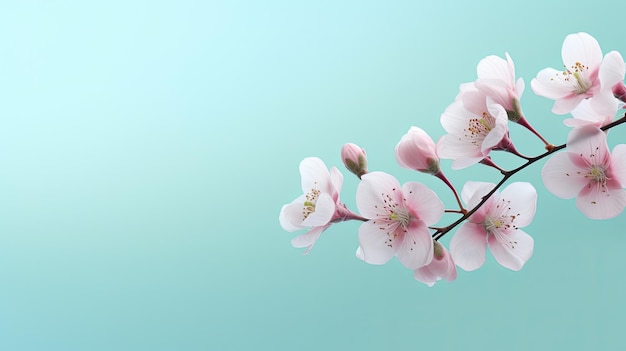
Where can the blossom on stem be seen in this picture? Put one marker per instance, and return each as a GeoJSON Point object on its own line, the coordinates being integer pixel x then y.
{"type": "Point", "coordinates": [399, 217]}
{"type": "Point", "coordinates": [590, 173]}
{"type": "Point", "coordinates": [416, 150]}
{"type": "Point", "coordinates": [475, 126]}
{"type": "Point", "coordinates": [586, 73]}
{"type": "Point", "coordinates": [442, 266]}
{"type": "Point", "coordinates": [496, 79]}
{"type": "Point", "coordinates": [496, 223]}
{"type": "Point", "coordinates": [354, 158]}
{"type": "Point", "coordinates": [318, 207]}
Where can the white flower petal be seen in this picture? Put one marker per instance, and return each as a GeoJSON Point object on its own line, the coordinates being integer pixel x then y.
{"type": "Point", "coordinates": [416, 248]}
{"type": "Point", "coordinates": [561, 177]}
{"type": "Point", "coordinates": [374, 244]}
{"type": "Point", "coordinates": [468, 246]}
{"type": "Point", "coordinates": [372, 193]}
{"type": "Point", "coordinates": [523, 202]}
{"type": "Point", "coordinates": [423, 201]}
{"type": "Point", "coordinates": [597, 202]}
{"type": "Point", "coordinates": [512, 249]}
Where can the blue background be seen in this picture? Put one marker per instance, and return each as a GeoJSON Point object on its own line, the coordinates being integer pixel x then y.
{"type": "Point", "coordinates": [146, 148]}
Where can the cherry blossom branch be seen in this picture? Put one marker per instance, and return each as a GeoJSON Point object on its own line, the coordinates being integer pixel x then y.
{"type": "Point", "coordinates": [440, 232]}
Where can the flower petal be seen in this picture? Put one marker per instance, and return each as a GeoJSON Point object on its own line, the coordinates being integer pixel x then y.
{"type": "Point", "coordinates": [612, 70]}
{"type": "Point", "coordinates": [315, 175]}
{"type": "Point", "coordinates": [308, 239]}
{"type": "Point", "coordinates": [512, 249]}
{"type": "Point", "coordinates": [372, 192]}
{"type": "Point", "coordinates": [468, 246]}
{"type": "Point", "coordinates": [618, 164]}
{"type": "Point", "coordinates": [581, 47]}
{"type": "Point", "coordinates": [416, 247]}
{"type": "Point", "coordinates": [375, 245]}
{"type": "Point", "coordinates": [336, 178]}
{"type": "Point", "coordinates": [472, 194]}
{"type": "Point", "coordinates": [598, 202]}
{"type": "Point", "coordinates": [547, 86]}
{"type": "Point", "coordinates": [561, 177]}
{"type": "Point", "coordinates": [424, 203]}
{"type": "Point", "coordinates": [523, 202]}
{"type": "Point", "coordinates": [291, 215]}
{"type": "Point", "coordinates": [426, 276]}
{"type": "Point", "coordinates": [324, 211]}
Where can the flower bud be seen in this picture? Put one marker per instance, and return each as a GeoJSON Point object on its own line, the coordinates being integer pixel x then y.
{"type": "Point", "coordinates": [354, 158]}
{"type": "Point", "coordinates": [619, 91]}
{"type": "Point", "coordinates": [416, 150]}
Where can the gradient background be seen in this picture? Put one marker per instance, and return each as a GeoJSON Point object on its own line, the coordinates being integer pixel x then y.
{"type": "Point", "coordinates": [146, 148]}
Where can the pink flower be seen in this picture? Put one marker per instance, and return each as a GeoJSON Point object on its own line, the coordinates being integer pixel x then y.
{"type": "Point", "coordinates": [442, 266]}
{"type": "Point", "coordinates": [399, 220]}
{"type": "Point", "coordinates": [590, 173]}
{"type": "Point", "coordinates": [416, 150]}
{"type": "Point", "coordinates": [496, 79]}
{"type": "Point", "coordinates": [475, 126]}
{"type": "Point", "coordinates": [585, 74]}
{"type": "Point", "coordinates": [318, 207]}
{"type": "Point", "coordinates": [354, 158]}
{"type": "Point", "coordinates": [496, 223]}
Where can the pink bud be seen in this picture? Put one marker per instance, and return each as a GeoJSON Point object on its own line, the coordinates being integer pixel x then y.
{"type": "Point", "coordinates": [619, 91]}
{"type": "Point", "coordinates": [354, 158]}
{"type": "Point", "coordinates": [416, 150]}
{"type": "Point", "coordinates": [442, 266]}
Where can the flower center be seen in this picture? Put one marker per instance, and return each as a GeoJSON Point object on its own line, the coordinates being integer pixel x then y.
{"type": "Point", "coordinates": [401, 216]}
{"type": "Point", "coordinates": [309, 202]}
{"type": "Point", "coordinates": [478, 128]}
{"type": "Point", "coordinates": [597, 174]}
{"type": "Point", "coordinates": [577, 76]}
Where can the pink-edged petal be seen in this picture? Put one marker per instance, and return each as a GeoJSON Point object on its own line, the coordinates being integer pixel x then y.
{"type": "Point", "coordinates": [523, 202]}
{"type": "Point", "coordinates": [426, 276]}
{"type": "Point", "coordinates": [576, 122]}
{"type": "Point", "coordinates": [548, 84]}
{"type": "Point", "coordinates": [324, 211]}
{"type": "Point", "coordinates": [336, 179]}
{"type": "Point", "coordinates": [512, 249]}
{"type": "Point", "coordinates": [561, 177]}
{"type": "Point", "coordinates": [423, 202]}
{"type": "Point", "coordinates": [372, 192]}
{"type": "Point", "coordinates": [581, 47]}
{"type": "Point", "coordinates": [567, 104]}
{"type": "Point", "coordinates": [498, 90]}
{"type": "Point", "coordinates": [416, 248]}
{"type": "Point", "coordinates": [376, 247]}
{"type": "Point", "coordinates": [604, 105]}
{"type": "Point", "coordinates": [588, 143]}
{"type": "Point", "coordinates": [612, 70]}
{"type": "Point", "coordinates": [602, 202]}
{"type": "Point", "coordinates": [308, 239]}
{"type": "Point", "coordinates": [468, 246]}
{"type": "Point", "coordinates": [314, 175]}
{"type": "Point", "coordinates": [618, 164]}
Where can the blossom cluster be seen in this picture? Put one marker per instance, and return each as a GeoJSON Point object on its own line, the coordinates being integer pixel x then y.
{"type": "Point", "coordinates": [401, 220]}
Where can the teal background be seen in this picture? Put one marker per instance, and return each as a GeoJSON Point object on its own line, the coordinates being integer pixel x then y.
{"type": "Point", "coordinates": [146, 148]}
